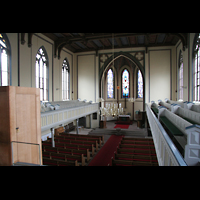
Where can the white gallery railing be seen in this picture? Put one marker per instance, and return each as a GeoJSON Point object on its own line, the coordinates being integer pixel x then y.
{"type": "Point", "coordinates": [167, 153]}
{"type": "Point", "coordinates": [54, 118]}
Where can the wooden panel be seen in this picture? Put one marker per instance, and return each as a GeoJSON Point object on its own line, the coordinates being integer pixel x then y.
{"type": "Point", "coordinates": [26, 118]}
{"type": "Point", "coordinates": [20, 107]}
{"type": "Point", "coordinates": [4, 118]}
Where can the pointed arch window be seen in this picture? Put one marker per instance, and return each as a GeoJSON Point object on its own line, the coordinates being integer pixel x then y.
{"type": "Point", "coordinates": [110, 83]}
{"type": "Point", "coordinates": [65, 80]}
{"type": "Point", "coordinates": [139, 84]}
{"type": "Point", "coordinates": [4, 62]}
{"type": "Point", "coordinates": [41, 73]}
{"type": "Point", "coordinates": [125, 84]}
{"type": "Point", "coordinates": [196, 69]}
{"type": "Point", "coordinates": [180, 78]}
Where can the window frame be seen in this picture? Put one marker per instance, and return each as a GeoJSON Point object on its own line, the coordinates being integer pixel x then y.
{"type": "Point", "coordinates": [122, 83]}
{"type": "Point", "coordinates": [40, 80]}
{"type": "Point", "coordinates": [112, 83]}
{"type": "Point", "coordinates": [137, 96]}
{"type": "Point", "coordinates": [196, 68]}
{"type": "Point", "coordinates": [65, 66]}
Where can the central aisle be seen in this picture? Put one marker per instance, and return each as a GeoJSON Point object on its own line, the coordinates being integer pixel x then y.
{"type": "Point", "coordinates": [103, 157]}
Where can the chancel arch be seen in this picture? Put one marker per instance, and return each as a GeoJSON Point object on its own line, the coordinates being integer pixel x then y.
{"type": "Point", "coordinates": [121, 61]}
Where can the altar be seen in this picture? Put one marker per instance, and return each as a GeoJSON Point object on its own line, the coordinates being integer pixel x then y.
{"type": "Point", "coordinates": [124, 119]}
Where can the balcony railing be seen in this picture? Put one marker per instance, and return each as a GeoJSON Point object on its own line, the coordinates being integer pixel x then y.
{"type": "Point", "coordinates": [54, 118]}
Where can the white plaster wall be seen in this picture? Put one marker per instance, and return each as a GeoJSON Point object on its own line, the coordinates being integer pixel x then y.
{"type": "Point", "coordinates": [159, 66]}
{"type": "Point", "coordinates": [86, 70]}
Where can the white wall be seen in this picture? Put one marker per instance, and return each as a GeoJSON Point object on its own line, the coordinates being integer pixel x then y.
{"type": "Point", "coordinates": [159, 73]}
{"type": "Point", "coordinates": [86, 70]}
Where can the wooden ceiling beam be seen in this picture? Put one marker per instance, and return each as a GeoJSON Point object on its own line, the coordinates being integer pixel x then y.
{"type": "Point", "coordinates": [129, 43]}
{"type": "Point", "coordinates": [93, 44]}
{"type": "Point", "coordinates": [166, 36]}
{"type": "Point", "coordinates": [89, 37]}
{"type": "Point", "coordinates": [124, 46]}
{"type": "Point", "coordinates": [119, 42]}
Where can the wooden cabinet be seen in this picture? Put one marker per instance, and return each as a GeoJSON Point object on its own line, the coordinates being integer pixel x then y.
{"type": "Point", "coordinates": [102, 124]}
{"type": "Point", "coordinates": [140, 117]}
{"type": "Point", "coordinates": [20, 122]}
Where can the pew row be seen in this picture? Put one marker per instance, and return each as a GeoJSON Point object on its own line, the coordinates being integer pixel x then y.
{"type": "Point", "coordinates": [131, 163]}
{"type": "Point", "coordinates": [135, 152]}
{"type": "Point", "coordinates": [65, 137]}
{"type": "Point", "coordinates": [83, 136]}
{"type": "Point", "coordinates": [64, 157]}
{"type": "Point", "coordinates": [76, 142]}
{"type": "Point", "coordinates": [58, 150]}
{"type": "Point", "coordinates": [189, 115]}
{"type": "Point", "coordinates": [72, 146]}
{"type": "Point", "coordinates": [185, 135]}
{"type": "Point", "coordinates": [48, 161]}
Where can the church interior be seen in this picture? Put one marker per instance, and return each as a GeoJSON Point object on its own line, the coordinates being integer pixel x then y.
{"type": "Point", "coordinates": [100, 99]}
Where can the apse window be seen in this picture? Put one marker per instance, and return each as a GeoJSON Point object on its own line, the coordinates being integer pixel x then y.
{"type": "Point", "coordinates": [110, 83]}
{"type": "Point", "coordinates": [140, 84]}
{"type": "Point", "coordinates": [125, 84]}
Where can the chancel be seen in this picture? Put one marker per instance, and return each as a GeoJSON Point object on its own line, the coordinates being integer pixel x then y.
{"type": "Point", "coordinates": [100, 99]}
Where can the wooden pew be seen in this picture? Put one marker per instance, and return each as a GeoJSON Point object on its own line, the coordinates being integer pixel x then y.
{"type": "Point", "coordinates": [65, 157]}
{"type": "Point", "coordinates": [136, 151]}
{"type": "Point", "coordinates": [48, 161]}
{"type": "Point", "coordinates": [137, 141]}
{"type": "Point", "coordinates": [79, 139]}
{"type": "Point", "coordinates": [67, 151]}
{"type": "Point", "coordinates": [60, 140]}
{"type": "Point", "coordinates": [131, 163]}
{"type": "Point", "coordinates": [72, 146]}
{"type": "Point", "coordinates": [83, 136]}
{"type": "Point", "coordinates": [136, 146]}
{"type": "Point", "coordinates": [142, 158]}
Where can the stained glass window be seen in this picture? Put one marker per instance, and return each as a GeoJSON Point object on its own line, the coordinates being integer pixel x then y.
{"type": "Point", "coordinates": [4, 69]}
{"type": "Point", "coordinates": [125, 84]}
{"type": "Point", "coordinates": [140, 85]}
{"type": "Point", "coordinates": [41, 73]}
{"type": "Point", "coordinates": [65, 80]}
{"type": "Point", "coordinates": [110, 83]}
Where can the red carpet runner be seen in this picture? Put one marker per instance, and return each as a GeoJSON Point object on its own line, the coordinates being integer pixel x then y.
{"type": "Point", "coordinates": [122, 126]}
{"type": "Point", "coordinates": [103, 157]}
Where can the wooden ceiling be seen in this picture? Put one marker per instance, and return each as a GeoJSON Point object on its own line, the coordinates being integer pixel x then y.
{"type": "Point", "coordinates": [83, 42]}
